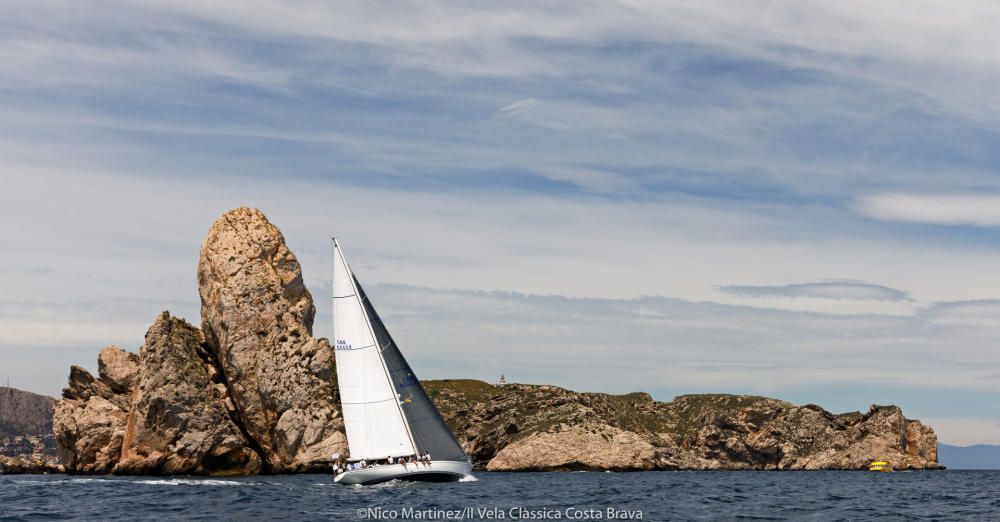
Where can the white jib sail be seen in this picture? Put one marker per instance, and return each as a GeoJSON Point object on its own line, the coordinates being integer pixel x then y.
{"type": "Point", "coordinates": [372, 416]}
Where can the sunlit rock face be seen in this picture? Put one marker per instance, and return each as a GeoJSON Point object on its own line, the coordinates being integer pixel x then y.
{"type": "Point", "coordinates": [257, 316]}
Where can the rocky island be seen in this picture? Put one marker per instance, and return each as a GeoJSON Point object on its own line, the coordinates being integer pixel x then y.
{"type": "Point", "coordinates": [252, 391]}
{"type": "Point", "coordinates": [521, 427]}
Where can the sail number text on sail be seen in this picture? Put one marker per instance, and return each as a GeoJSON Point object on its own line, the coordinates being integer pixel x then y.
{"type": "Point", "coordinates": [344, 345]}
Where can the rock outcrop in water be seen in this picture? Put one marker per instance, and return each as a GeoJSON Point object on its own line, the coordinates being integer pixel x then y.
{"type": "Point", "coordinates": [89, 423]}
{"type": "Point", "coordinates": [257, 317]}
{"type": "Point", "coordinates": [253, 391]}
{"type": "Point", "coordinates": [30, 465]}
{"type": "Point", "coordinates": [178, 421]}
{"type": "Point", "coordinates": [544, 428]}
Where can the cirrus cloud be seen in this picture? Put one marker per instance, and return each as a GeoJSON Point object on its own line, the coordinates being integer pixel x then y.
{"type": "Point", "coordinates": [858, 290]}
{"type": "Point", "coordinates": [941, 209]}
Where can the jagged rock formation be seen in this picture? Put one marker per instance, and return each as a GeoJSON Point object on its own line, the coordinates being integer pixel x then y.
{"type": "Point", "coordinates": [543, 428]}
{"type": "Point", "coordinates": [251, 391]}
{"type": "Point", "coordinates": [89, 422]}
{"type": "Point", "coordinates": [118, 369]}
{"type": "Point", "coordinates": [178, 421]}
{"type": "Point", "coordinates": [257, 316]}
{"type": "Point", "coordinates": [164, 411]}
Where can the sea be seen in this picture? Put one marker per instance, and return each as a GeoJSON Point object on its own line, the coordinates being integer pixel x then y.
{"type": "Point", "coordinates": [682, 495]}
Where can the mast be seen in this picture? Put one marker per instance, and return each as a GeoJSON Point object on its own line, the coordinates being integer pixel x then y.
{"type": "Point", "coordinates": [333, 296]}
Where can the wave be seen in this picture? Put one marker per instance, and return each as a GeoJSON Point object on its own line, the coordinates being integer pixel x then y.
{"type": "Point", "coordinates": [62, 481]}
{"type": "Point", "coordinates": [154, 482]}
{"type": "Point", "coordinates": [195, 482]}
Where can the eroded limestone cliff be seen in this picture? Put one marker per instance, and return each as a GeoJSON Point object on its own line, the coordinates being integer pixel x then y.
{"type": "Point", "coordinates": [529, 427]}
{"type": "Point", "coordinates": [257, 317]}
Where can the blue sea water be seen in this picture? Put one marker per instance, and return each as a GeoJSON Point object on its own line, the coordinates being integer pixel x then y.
{"type": "Point", "coordinates": [817, 495]}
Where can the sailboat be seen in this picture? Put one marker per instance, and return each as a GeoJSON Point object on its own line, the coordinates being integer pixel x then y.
{"type": "Point", "coordinates": [388, 416]}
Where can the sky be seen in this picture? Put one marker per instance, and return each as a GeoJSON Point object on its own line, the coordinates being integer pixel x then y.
{"type": "Point", "coordinates": [789, 199]}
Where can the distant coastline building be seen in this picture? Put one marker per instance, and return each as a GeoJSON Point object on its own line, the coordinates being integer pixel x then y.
{"type": "Point", "coordinates": [502, 381]}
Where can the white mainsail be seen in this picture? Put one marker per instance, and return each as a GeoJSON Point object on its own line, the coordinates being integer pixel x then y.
{"type": "Point", "coordinates": [373, 418]}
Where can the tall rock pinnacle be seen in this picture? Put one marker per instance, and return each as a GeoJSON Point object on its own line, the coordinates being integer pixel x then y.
{"type": "Point", "coordinates": [257, 318]}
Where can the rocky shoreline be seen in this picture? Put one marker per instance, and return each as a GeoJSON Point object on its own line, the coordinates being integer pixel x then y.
{"type": "Point", "coordinates": [28, 466]}
{"type": "Point", "coordinates": [252, 391]}
{"type": "Point", "coordinates": [521, 427]}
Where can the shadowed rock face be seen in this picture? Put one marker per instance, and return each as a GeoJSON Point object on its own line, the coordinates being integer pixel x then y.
{"type": "Point", "coordinates": [160, 412]}
{"type": "Point", "coordinates": [524, 427]}
{"type": "Point", "coordinates": [257, 316]}
{"type": "Point", "coordinates": [178, 422]}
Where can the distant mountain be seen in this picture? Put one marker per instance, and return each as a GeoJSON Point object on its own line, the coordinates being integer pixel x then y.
{"type": "Point", "coordinates": [24, 413]}
{"type": "Point", "coordinates": [979, 456]}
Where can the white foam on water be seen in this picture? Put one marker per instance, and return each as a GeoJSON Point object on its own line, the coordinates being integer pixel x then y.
{"type": "Point", "coordinates": [72, 481]}
{"type": "Point", "coordinates": [468, 478]}
{"type": "Point", "coordinates": [90, 481]}
{"type": "Point", "coordinates": [150, 482]}
{"type": "Point", "coordinates": [61, 482]}
{"type": "Point", "coordinates": [388, 484]}
{"type": "Point", "coordinates": [196, 482]}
